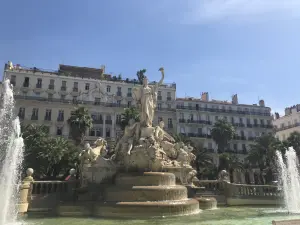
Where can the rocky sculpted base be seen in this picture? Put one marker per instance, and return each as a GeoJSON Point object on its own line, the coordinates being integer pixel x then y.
{"type": "Point", "coordinates": [150, 194]}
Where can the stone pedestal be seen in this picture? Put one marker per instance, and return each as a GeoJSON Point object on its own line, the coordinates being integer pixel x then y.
{"type": "Point", "coordinates": [207, 203]}
{"type": "Point", "coordinates": [25, 192]}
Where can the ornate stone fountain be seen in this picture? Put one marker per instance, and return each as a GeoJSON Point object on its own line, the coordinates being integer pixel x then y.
{"type": "Point", "coordinates": [134, 181]}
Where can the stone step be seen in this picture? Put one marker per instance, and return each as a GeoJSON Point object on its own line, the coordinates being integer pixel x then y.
{"type": "Point", "coordinates": [145, 193]}
{"type": "Point", "coordinates": [145, 179]}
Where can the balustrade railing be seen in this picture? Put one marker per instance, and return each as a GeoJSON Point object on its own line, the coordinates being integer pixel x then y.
{"type": "Point", "coordinates": [50, 187]}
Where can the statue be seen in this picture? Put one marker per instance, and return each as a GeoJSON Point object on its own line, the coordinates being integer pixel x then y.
{"type": "Point", "coordinates": [224, 176]}
{"type": "Point", "coordinates": [146, 99]}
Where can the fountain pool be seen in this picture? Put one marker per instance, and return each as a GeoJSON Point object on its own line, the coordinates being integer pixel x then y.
{"type": "Point", "coordinates": [221, 216]}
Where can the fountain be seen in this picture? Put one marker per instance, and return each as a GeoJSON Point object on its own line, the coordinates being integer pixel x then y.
{"type": "Point", "coordinates": [11, 155]}
{"type": "Point", "coordinates": [290, 179]}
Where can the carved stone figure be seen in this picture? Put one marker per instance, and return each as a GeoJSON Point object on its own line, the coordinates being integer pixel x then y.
{"type": "Point", "coordinates": [146, 99]}
{"type": "Point", "coordinates": [224, 176]}
{"type": "Point", "coordinates": [191, 176]}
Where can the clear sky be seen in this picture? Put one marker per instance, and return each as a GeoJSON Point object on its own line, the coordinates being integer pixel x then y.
{"type": "Point", "coordinates": [248, 47]}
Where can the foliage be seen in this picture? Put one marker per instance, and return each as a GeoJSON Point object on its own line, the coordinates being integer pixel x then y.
{"type": "Point", "coordinates": [80, 121]}
{"type": "Point", "coordinates": [228, 161]}
{"type": "Point", "coordinates": [293, 141]}
{"type": "Point", "coordinates": [129, 113]}
{"type": "Point", "coordinates": [120, 77]}
{"type": "Point", "coordinates": [263, 151]}
{"type": "Point", "coordinates": [182, 138]}
{"type": "Point", "coordinates": [48, 156]}
{"type": "Point", "coordinates": [222, 133]}
{"type": "Point", "coordinates": [140, 75]}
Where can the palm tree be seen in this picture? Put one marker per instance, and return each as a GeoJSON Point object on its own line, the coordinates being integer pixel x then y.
{"type": "Point", "coordinates": [140, 75]}
{"type": "Point", "coordinates": [182, 138]}
{"type": "Point", "coordinates": [129, 113]}
{"type": "Point", "coordinates": [222, 133]}
{"type": "Point", "coordinates": [80, 121]}
{"type": "Point", "coordinates": [204, 161]}
{"type": "Point", "coordinates": [229, 162]}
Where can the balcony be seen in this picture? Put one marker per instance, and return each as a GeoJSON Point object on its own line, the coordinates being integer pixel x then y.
{"type": "Point", "coordinates": [181, 120]}
{"type": "Point", "coordinates": [225, 111]}
{"type": "Point", "coordinates": [287, 127]}
{"type": "Point", "coordinates": [63, 88]}
{"type": "Point", "coordinates": [47, 118]}
{"type": "Point", "coordinates": [51, 87]}
{"type": "Point", "coordinates": [34, 117]}
{"type": "Point", "coordinates": [60, 119]}
{"type": "Point", "coordinates": [98, 121]}
{"type": "Point", "coordinates": [170, 125]}
{"type": "Point", "coordinates": [39, 86]}
{"type": "Point", "coordinates": [21, 116]}
{"type": "Point", "coordinates": [169, 98]}
{"type": "Point", "coordinates": [249, 125]}
{"type": "Point", "coordinates": [129, 95]}
{"type": "Point", "coordinates": [26, 84]}
{"type": "Point", "coordinates": [108, 122]}
{"type": "Point", "coordinates": [199, 135]}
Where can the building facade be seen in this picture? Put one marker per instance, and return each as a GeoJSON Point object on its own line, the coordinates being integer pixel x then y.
{"type": "Point", "coordinates": [48, 97]}
{"type": "Point", "coordinates": [196, 118]}
{"type": "Point", "coordinates": [288, 123]}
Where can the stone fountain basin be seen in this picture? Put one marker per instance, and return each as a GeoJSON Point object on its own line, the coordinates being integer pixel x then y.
{"type": "Point", "coordinates": [145, 193]}
{"type": "Point", "coordinates": [130, 209]}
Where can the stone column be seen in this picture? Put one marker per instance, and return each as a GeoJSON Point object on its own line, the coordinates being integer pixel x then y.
{"type": "Point", "coordinates": [234, 176]}
{"type": "Point", "coordinates": [242, 177]}
{"type": "Point", "coordinates": [104, 126]}
{"type": "Point", "coordinates": [113, 126]}
{"type": "Point", "coordinates": [25, 192]}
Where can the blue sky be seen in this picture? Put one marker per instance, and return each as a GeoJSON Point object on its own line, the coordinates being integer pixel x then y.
{"type": "Point", "coordinates": [248, 47]}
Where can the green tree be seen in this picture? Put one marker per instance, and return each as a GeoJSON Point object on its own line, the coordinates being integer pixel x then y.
{"type": "Point", "coordinates": [49, 156]}
{"type": "Point", "coordinates": [229, 162]}
{"type": "Point", "coordinates": [80, 121]}
{"type": "Point", "coordinates": [222, 133]}
{"type": "Point", "coordinates": [294, 141]}
{"type": "Point", "coordinates": [203, 162]}
{"type": "Point", "coordinates": [182, 138]}
{"type": "Point", "coordinates": [140, 75]}
{"type": "Point", "coordinates": [129, 113]}
{"type": "Point", "coordinates": [120, 77]}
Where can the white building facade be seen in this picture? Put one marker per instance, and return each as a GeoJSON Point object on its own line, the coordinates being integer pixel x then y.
{"type": "Point", "coordinates": [288, 123]}
{"type": "Point", "coordinates": [196, 118]}
{"type": "Point", "coordinates": [48, 97]}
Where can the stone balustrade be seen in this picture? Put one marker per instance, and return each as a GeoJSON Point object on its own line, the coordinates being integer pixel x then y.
{"type": "Point", "coordinates": [211, 185]}
{"type": "Point", "coordinates": [51, 187]}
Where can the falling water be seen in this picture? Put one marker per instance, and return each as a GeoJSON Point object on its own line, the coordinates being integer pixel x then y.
{"type": "Point", "coordinates": [11, 155]}
{"type": "Point", "coordinates": [290, 179]}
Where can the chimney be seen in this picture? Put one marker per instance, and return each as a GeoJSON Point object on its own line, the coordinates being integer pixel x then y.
{"type": "Point", "coordinates": [261, 103]}
{"type": "Point", "coordinates": [235, 99]}
{"type": "Point", "coordinates": [276, 115]}
{"type": "Point", "coordinates": [204, 96]}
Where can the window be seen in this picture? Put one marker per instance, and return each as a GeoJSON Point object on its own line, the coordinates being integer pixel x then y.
{"type": "Point", "coordinates": [35, 114]}
{"type": "Point", "coordinates": [21, 113]}
{"type": "Point", "coordinates": [108, 88]}
{"type": "Point", "coordinates": [48, 114]}
{"type": "Point", "coordinates": [242, 133]}
{"type": "Point", "coordinates": [119, 89]}
{"type": "Point", "coordinates": [51, 85]}
{"type": "Point", "coordinates": [262, 122]}
{"type": "Point", "coordinates": [159, 106]}
{"type": "Point", "coordinates": [13, 80]}
{"type": "Point", "coordinates": [241, 120]}
{"type": "Point", "coordinates": [26, 82]}
{"type": "Point", "coordinates": [118, 103]}
{"type": "Point", "coordinates": [181, 116]}
{"type": "Point", "coordinates": [62, 97]}
{"type": "Point", "coordinates": [159, 93]}
{"type": "Point", "coordinates": [207, 118]}
{"type": "Point", "coordinates": [168, 96]}
{"type": "Point", "coordinates": [75, 87]}
{"type": "Point", "coordinates": [216, 118]}
{"type": "Point", "coordinates": [75, 100]}
{"type": "Point", "coordinates": [97, 101]}
{"type": "Point", "coordinates": [59, 131]}
{"type": "Point", "coordinates": [244, 147]}
{"type": "Point", "coordinates": [60, 116]}
{"type": "Point", "coordinates": [170, 123]}
{"type": "Point", "coordinates": [200, 130]}
{"type": "Point", "coordinates": [255, 121]}
{"type": "Point", "coordinates": [248, 121]}
{"type": "Point", "coordinates": [64, 83]}
{"type": "Point", "coordinates": [39, 83]}
{"type": "Point", "coordinates": [129, 104]}
{"type": "Point", "coordinates": [232, 119]}
{"type": "Point", "coordinates": [191, 117]}
{"type": "Point", "coordinates": [235, 146]}
{"type": "Point", "coordinates": [159, 119]}
{"type": "Point", "coordinates": [169, 106]}
{"type": "Point", "coordinates": [107, 132]}
{"type": "Point", "coordinates": [87, 86]}
{"type": "Point", "coordinates": [190, 105]}
{"type": "Point", "coordinates": [50, 96]}
{"type": "Point", "coordinates": [118, 118]}
{"type": "Point", "coordinates": [129, 90]}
